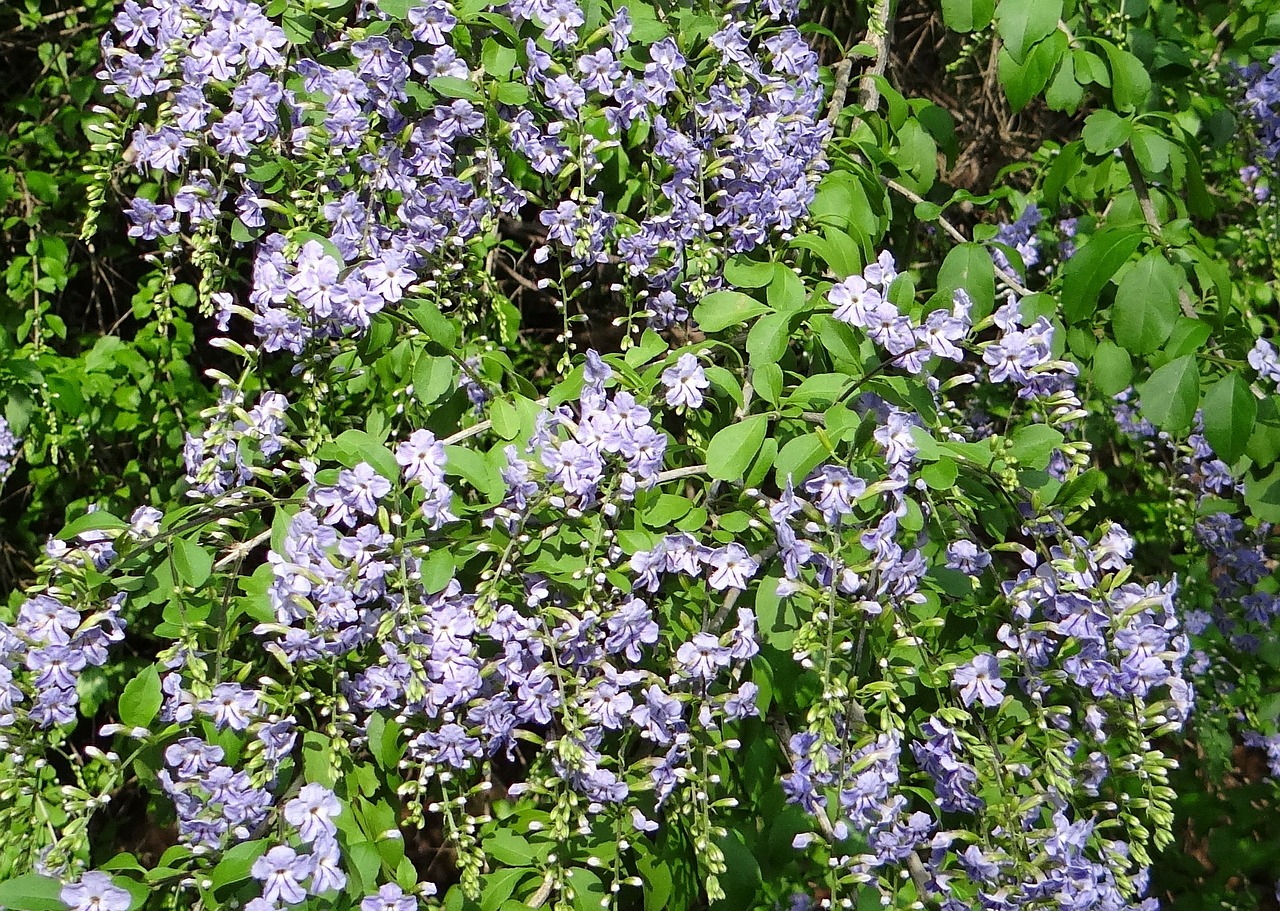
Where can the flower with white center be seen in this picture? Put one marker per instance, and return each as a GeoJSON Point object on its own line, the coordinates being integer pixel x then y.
{"type": "Point", "coordinates": [685, 382]}
{"type": "Point", "coordinates": [731, 567]}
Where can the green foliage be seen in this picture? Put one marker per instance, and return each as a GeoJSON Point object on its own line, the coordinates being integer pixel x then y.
{"type": "Point", "coordinates": [103, 366]}
{"type": "Point", "coordinates": [98, 361]}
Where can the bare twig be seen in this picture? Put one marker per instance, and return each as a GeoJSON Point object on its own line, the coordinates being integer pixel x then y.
{"type": "Point", "coordinates": [1151, 218]}
{"type": "Point", "coordinates": [879, 36]}
{"type": "Point", "coordinates": [1005, 275]}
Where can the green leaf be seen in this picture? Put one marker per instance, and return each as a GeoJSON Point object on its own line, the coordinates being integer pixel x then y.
{"type": "Point", "coordinates": [365, 863]}
{"type": "Point", "coordinates": [356, 446]}
{"type": "Point", "coordinates": [31, 892]}
{"type": "Point", "coordinates": [656, 875]}
{"type": "Point", "coordinates": [497, 887]}
{"type": "Point", "coordinates": [1105, 131]}
{"type": "Point", "coordinates": [785, 291]}
{"type": "Point", "coordinates": [742, 879]}
{"type": "Point", "coordinates": [798, 457]}
{"type": "Point", "coordinates": [968, 267]}
{"type": "Point", "coordinates": [384, 742]}
{"type": "Point", "coordinates": [1151, 149]}
{"type": "Point", "coordinates": [1146, 304]}
{"type": "Point", "coordinates": [438, 327]}
{"type": "Point", "coordinates": [97, 520]}
{"type": "Point", "coordinates": [432, 378]}
{"type": "Point", "coordinates": [237, 861]}
{"type": "Point", "coordinates": [1033, 445]}
{"type": "Point", "coordinates": [722, 309]}
{"type": "Point", "coordinates": [1112, 368]}
{"type": "Point", "coordinates": [1065, 167]}
{"type": "Point", "coordinates": [456, 87]}
{"type": "Point", "coordinates": [318, 760]}
{"type": "Point", "coordinates": [731, 450]}
{"type": "Point", "coordinates": [588, 890]}
{"type": "Point", "coordinates": [742, 272]}
{"type": "Point", "coordinates": [1065, 92]}
{"type": "Point", "coordinates": [497, 59]}
{"type": "Point", "coordinates": [917, 154]}
{"type": "Point", "coordinates": [1187, 337]}
{"type": "Point", "coordinates": [1021, 23]}
{"type": "Point", "coordinates": [511, 849]}
{"type": "Point", "coordinates": [141, 698]}
{"type": "Point", "coordinates": [474, 468]}
{"type": "Point", "coordinates": [665, 509]}
{"type": "Point", "coordinates": [762, 463]}
{"type": "Point", "coordinates": [940, 475]}
{"type": "Point", "coordinates": [505, 418]}
{"type": "Point", "coordinates": [1090, 69]}
{"type": "Point", "coordinates": [1230, 410]}
{"type": "Point", "coordinates": [651, 345]}
{"type": "Point", "coordinates": [967, 15]}
{"type": "Point", "coordinates": [768, 339]}
{"type": "Point", "coordinates": [1130, 84]}
{"type": "Point", "coordinates": [1025, 79]}
{"type": "Point", "coordinates": [513, 93]}
{"type": "Point", "coordinates": [767, 378]}
{"type": "Point", "coordinates": [1088, 272]}
{"type": "Point", "coordinates": [1170, 396]}
{"type": "Point", "coordinates": [193, 563]}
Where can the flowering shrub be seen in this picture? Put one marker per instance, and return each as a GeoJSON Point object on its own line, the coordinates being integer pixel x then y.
{"type": "Point", "coordinates": [811, 588]}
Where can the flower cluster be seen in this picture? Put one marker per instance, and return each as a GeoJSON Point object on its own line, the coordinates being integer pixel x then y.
{"type": "Point", "coordinates": [553, 597]}
{"type": "Point", "coordinates": [52, 641]}
{"type": "Point", "coordinates": [1261, 103]}
{"type": "Point", "coordinates": [212, 800]}
{"type": "Point", "coordinates": [216, 460]}
{"type": "Point", "coordinates": [1021, 354]}
{"type": "Point", "coordinates": [10, 445]}
{"type": "Point", "coordinates": [1022, 237]}
{"type": "Point", "coordinates": [429, 168]}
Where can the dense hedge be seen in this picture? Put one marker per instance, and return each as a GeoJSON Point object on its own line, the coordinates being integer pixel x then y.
{"type": "Point", "coordinates": [663, 455]}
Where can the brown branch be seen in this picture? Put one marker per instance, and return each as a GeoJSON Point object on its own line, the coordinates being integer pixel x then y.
{"type": "Point", "coordinates": [1007, 277]}
{"type": "Point", "coordinates": [879, 36]}
{"type": "Point", "coordinates": [1152, 219]}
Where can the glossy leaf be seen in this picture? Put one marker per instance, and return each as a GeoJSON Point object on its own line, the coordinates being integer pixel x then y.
{"type": "Point", "coordinates": [1146, 305]}
{"type": "Point", "coordinates": [722, 309]}
{"type": "Point", "coordinates": [732, 450]}
{"type": "Point", "coordinates": [1172, 393]}
{"type": "Point", "coordinates": [1230, 410]}
{"type": "Point", "coordinates": [1093, 266]}
{"type": "Point", "coordinates": [1021, 23]}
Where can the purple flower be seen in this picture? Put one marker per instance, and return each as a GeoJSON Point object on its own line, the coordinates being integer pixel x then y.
{"type": "Point", "coordinates": [834, 490]}
{"type": "Point", "coordinates": [980, 680]}
{"type": "Point", "coordinates": [95, 892]}
{"type": "Point", "coordinates": [422, 457]}
{"type": "Point", "coordinates": [231, 705]}
{"type": "Point", "coordinates": [631, 627]}
{"type": "Point", "coordinates": [684, 382]}
{"type": "Point", "coordinates": [281, 872]}
{"type": "Point", "coordinates": [358, 491]}
{"type": "Point", "coordinates": [560, 20]}
{"type": "Point", "coordinates": [742, 704]}
{"type": "Point", "coordinates": [278, 738]}
{"type": "Point", "coordinates": [703, 656]}
{"type": "Point", "coordinates": [327, 875]}
{"type": "Point", "coordinates": [150, 220]}
{"type": "Point", "coordinates": [312, 812]}
{"type": "Point", "coordinates": [731, 567]}
{"type": "Point", "coordinates": [659, 717]}
{"type": "Point", "coordinates": [432, 22]}
{"type": "Point", "coordinates": [389, 898]}
{"type": "Point", "coordinates": [967, 557]}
